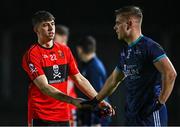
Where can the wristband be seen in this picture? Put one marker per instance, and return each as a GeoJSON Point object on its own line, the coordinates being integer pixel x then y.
{"type": "Point", "coordinates": [95, 101]}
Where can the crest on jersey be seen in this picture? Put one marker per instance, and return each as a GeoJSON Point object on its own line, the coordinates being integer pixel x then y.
{"type": "Point", "coordinates": [61, 54]}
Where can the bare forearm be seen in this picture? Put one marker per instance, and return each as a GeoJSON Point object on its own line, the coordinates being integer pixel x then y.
{"type": "Point", "coordinates": [168, 74]}
{"type": "Point", "coordinates": [85, 87]}
{"type": "Point", "coordinates": [42, 83]}
{"type": "Point", "coordinates": [167, 87]}
{"type": "Point", "coordinates": [111, 84]}
{"type": "Point", "coordinates": [108, 88]}
{"type": "Point", "coordinates": [55, 93]}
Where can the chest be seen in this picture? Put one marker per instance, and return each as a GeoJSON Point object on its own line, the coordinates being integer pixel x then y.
{"type": "Point", "coordinates": [53, 57]}
{"type": "Point", "coordinates": [132, 61]}
{"type": "Point", "coordinates": [132, 56]}
{"type": "Point", "coordinates": [55, 65]}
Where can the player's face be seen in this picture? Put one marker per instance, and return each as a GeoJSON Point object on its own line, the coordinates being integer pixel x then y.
{"type": "Point", "coordinates": [121, 27]}
{"type": "Point", "coordinates": [62, 39]}
{"type": "Point", "coordinates": [80, 53]}
{"type": "Point", "coordinates": [46, 30]}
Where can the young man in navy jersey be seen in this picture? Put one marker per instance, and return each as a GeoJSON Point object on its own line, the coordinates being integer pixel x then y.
{"type": "Point", "coordinates": [144, 68]}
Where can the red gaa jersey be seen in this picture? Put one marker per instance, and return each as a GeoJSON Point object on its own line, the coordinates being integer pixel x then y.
{"type": "Point", "coordinates": [56, 63]}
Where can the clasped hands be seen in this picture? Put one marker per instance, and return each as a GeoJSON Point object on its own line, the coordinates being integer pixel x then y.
{"type": "Point", "coordinates": [102, 109]}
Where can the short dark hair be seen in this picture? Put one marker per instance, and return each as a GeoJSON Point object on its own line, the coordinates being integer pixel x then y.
{"type": "Point", "coordinates": [129, 11]}
{"type": "Point", "coordinates": [88, 44]}
{"type": "Point", "coordinates": [41, 16]}
{"type": "Point", "coordinates": [62, 30]}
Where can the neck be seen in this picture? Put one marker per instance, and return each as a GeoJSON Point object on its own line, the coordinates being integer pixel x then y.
{"type": "Point", "coordinates": [88, 57]}
{"type": "Point", "coordinates": [134, 36]}
{"type": "Point", "coordinates": [48, 44]}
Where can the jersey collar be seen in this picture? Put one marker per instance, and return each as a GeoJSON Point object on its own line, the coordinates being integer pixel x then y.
{"type": "Point", "coordinates": [136, 41]}
{"type": "Point", "coordinates": [46, 47]}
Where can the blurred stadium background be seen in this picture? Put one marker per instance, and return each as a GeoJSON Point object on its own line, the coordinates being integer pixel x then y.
{"type": "Point", "coordinates": [161, 23]}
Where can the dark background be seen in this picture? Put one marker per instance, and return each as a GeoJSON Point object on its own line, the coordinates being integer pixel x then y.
{"type": "Point", "coordinates": [161, 23]}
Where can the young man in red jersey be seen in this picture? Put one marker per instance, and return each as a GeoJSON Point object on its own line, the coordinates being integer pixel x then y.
{"type": "Point", "coordinates": [48, 66]}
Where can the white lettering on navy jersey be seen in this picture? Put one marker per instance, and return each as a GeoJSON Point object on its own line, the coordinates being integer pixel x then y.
{"type": "Point", "coordinates": [129, 52]}
{"type": "Point", "coordinates": [132, 71]}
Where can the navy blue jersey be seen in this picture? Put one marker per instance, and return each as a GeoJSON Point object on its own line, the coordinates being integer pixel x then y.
{"type": "Point", "coordinates": [95, 72]}
{"type": "Point", "coordinates": [143, 80]}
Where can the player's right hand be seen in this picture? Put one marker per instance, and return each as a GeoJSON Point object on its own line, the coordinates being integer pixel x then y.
{"type": "Point", "coordinates": [149, 109]}
{"type": "Point", "coordinates": [77, 102]}
{"type": "Point", "coordinates": [90, 103]}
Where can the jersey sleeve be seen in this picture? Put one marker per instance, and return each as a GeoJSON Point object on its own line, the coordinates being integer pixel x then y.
{"type": "Point", "coordinates": [156, 52]}
{"type": "Point", "coordinates": [72, 63]}
{"type": "Point", "coordinates": [31, 64]}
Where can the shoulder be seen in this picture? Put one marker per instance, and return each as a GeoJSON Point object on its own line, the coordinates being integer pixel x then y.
{"type": "Point", "coordinates": [149, 42]}
{"type": "Point", "coordinates": [97, 63]}
{"type": "Point", "coordinates": [33, 49]}
{"type": "Point", "coordinates": [32, 52]}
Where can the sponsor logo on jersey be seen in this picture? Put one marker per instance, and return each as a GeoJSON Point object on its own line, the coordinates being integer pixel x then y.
{"type": "Point", "coordinates": [45, 56]}
{"type": "Point", "coordinates": [137, 52]}
{"type": "Point", "coordinates": [56, 73]}
{"type": "Point", "coordinates": [132, 71]}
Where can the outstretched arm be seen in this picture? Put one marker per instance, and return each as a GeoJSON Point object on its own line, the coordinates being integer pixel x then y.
{"type": "Point", "coordinates": [168, 74]}
{"type": "Point", "coordinates": [42, 83]}
{"type": "Point", "coordinates": [84, 85]}
{"type": "Point", "coordinates": [111, 84]}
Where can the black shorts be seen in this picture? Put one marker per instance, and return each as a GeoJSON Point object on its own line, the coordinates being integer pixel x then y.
{"type": "Point", "coordinates": [40, 122]}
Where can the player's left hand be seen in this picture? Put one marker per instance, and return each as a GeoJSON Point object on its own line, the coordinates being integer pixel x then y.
{"type": "Point", "coordinates": [103, 108]}
{"type": "Point", "coordinates": [91, 104]}
{"type": "Point", "coordinates": [158, 105]}
{"type": "Point", "coordinates": [106, 109]}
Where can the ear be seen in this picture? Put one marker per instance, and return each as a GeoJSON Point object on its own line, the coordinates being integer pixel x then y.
{"type": "Point", "coordinates": [80, 49]}
{"type": "Point", "coordinates": [129, 24]}
{"type": "Point", "coordinates": [77, 48]}
{"type": "Point", "coordinates": [35, 29]}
